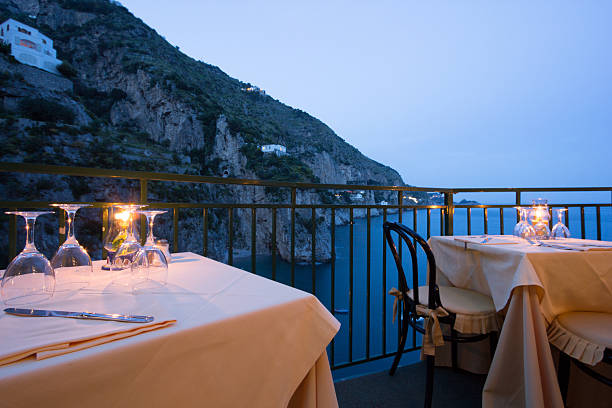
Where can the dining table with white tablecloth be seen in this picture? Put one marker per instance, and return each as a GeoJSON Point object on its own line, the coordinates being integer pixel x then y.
{"type": "Point", "coordinates": [530, 284]}
{"type": "Point", "coordinates": [225, 338]}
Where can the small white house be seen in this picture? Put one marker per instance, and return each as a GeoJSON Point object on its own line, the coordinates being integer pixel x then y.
{"type": "Point", "coordinates": [411, 198]}
{"type": "Point", "coordinates": [254, 89]}
{"type": "Point", "coordinates": [277, 149]}
{"type": "Point", "coordinates": [29, 46]}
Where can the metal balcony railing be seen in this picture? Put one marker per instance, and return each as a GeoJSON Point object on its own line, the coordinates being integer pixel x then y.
{"type": "Point", "coordinates": [362, 278]}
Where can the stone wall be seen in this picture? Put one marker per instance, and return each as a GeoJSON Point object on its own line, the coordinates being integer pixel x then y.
{"type": "Point", "coordinates": [37, 77]}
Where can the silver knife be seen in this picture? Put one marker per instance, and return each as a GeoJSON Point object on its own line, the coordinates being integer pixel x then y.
{"type": "Point", "coordinates": [555, 246]}
{"type": "Point", "coordinates": [79, 315]}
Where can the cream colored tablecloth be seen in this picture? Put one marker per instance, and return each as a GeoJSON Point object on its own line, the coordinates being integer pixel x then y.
{"type": "Point", "coordinates": [239, 340]}
{"type": "Point", "coordinates": [531, 285]}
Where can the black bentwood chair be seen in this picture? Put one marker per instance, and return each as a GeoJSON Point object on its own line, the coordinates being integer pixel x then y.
{"type": "Point", "coordinates": [449, 304]}
{"type": "Point", "coordinates": [585, 336]}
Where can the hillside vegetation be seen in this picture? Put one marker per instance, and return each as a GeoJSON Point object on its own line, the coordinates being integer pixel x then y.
{"type": "Point", "coordinates": [130, 100]}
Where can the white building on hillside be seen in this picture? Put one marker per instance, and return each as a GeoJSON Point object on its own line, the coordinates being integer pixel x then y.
{"type": "Point", "coordinates": [277, 149]}
{"type": "Point", "coordinates": [357, 196]}
{"type": "Point", "coordinates": [29, 46]}
{"type": "Point", "coordinates": [254, 89]}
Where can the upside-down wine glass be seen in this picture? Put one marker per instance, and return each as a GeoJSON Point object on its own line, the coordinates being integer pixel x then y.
{"type": "Point", "coordinates": [128, 249]}
{"type": "Point", "coordinates": [150, 263]}
{"type": "Point", "coordinates": [522, 221]}
{"type": "Point", "coordinates": [559, 230]}
{"type": "Point", "coordinates": [29, 278]}
{"type": "Point", "coordinates": [527, 231]}
{"type": "Point", "coordinates": [72, 264]}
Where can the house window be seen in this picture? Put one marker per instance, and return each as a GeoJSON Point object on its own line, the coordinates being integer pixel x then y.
{"type": "Point", "coordinates": [8, 27]}
{"type": "Point", "coordinates": [44, 41]}
{"type": "Point", "coordinates": [27, 43]}
{"type": "Point", "coordinates": [23, 30]}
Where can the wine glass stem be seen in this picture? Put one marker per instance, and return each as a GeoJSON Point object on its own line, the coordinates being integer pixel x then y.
{"type": "Point", "coordinates": [150, 237]}
{"type": "Point", "coordinates": [131, 236]}
{"type": "Point", "coordinates": [70, 220]}
{"type": "Point", "coordinates": [29, 246]}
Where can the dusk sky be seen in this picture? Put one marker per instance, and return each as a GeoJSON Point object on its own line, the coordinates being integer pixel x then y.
{"type": "Point", "coordinates": [450, 94]}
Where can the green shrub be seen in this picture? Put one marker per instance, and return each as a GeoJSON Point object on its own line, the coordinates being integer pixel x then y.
{"type": "Point", "coordinates": [5, 77]}
{"type": "Point", "coordinates": [117, 94]}
{"type": "Point", "coordinates": [94, 127]}
{"type": "Point", "coordinates": [79, 186]}
{"type": "Point", "coordinates": [45, 110]}
{"type": "Point", "coordinates": [5, 48]}
{"type": "Point", "coordinates": [88, 6]}
{"type": "Point", "coordinates": [97, 102]}
{"type": "Point", "coordinates": [67, 70]}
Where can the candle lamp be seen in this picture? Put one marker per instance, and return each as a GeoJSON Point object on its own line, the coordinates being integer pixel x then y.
{"type": "Point", "coordinates": [118, 228]}
{"type": "Point", "coordinates": [539, 217]}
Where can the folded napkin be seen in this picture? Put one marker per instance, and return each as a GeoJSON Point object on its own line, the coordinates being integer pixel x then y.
{"type": "Point", "coordinates": [44, 337]}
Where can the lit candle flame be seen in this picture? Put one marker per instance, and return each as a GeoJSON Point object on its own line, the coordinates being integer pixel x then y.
{"type": "Point", "coordinates": [123, 216]}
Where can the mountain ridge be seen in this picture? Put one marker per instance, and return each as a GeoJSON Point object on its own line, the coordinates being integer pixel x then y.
{"type": "Point", "coordinates": [138, 103]}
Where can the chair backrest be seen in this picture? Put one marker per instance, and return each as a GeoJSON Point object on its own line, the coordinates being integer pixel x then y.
{"type": "Point", "coordinates": [407, 235]}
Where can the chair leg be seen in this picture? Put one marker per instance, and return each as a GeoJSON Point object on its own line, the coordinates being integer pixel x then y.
{"type": "Point", "coordinates": [429, 381]}
{"type": "Point", "coordinates": [454, 349]}
{"type": "Point", "coordinates": [400, 348]}
{"type": "Point", "coordinates": [492, 343]}
{"type": "Point", "coordinates": [563, 374]}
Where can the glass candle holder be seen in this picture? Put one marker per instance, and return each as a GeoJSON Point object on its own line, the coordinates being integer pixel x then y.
{"type": "Point", "coordinates": [121, 265]}
{"type": "Point", "coordinates": [539, 217]}
{"type": "Point", "coordinates": [116, 233]}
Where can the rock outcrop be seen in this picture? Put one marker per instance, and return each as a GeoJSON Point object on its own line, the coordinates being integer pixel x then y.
{"type": "Point", "coordinates": [136, 102]}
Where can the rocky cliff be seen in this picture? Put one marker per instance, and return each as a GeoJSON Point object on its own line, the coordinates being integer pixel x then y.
{"type": "Point", "coordinates": [130, 100]}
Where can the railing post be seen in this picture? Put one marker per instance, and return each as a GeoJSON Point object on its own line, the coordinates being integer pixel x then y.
{"type": "Point", "coordinates": [293, 204]}
{"type": "Point", "coordinates": [61, 221]}
{"type": "Point", "coordinates": [400, 212]}
{"type": "Point", "coordinates": [518, 204]}
{"type": "Point", "coordinates": [400, 203]}
{"type": "Point", "coordinates": [143, 219]}
{"type": "Point", "coordinates": [175, 220]}
{"type": "Point", "coordinates": [449, 213]}
{"type": "Point", "coordinates": [230, 236]}
{"type": "Point", "coordinates": [104, 230]}
{"type": "Point", "coordinates": [205, 232]}
{"type": "Point", "coordinates": [12, 236]}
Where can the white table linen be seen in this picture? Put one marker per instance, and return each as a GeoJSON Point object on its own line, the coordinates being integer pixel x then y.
{"type": "Point", "coordinates": [239, 340]}
{"type": "Point", "coordinates": [531, 285]}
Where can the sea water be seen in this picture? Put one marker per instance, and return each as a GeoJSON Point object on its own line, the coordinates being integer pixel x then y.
{"type": "Point", "coordinates": [380, 281]}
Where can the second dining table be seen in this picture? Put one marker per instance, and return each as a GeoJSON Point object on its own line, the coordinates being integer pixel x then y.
{"type": "Point", "coordinates": [531, 284]}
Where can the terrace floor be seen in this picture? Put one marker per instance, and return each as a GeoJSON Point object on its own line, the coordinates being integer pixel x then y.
{"type": "Point", "coordinates": [407, 389]}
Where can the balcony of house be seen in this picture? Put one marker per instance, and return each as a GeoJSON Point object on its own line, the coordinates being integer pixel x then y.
{"type": "Point", "coordinates": [359, 260]}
